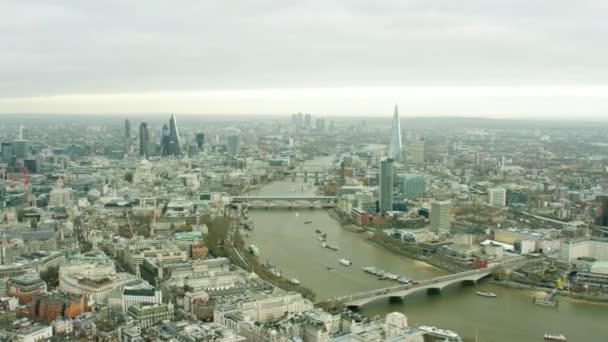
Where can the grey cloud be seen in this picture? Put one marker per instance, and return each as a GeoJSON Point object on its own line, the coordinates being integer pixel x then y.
{"type": "Point", "coordinates": [70, 47]}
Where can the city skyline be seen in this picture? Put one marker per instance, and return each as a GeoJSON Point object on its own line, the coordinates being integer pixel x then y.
{"type": "Point", "coordinates": [346, 58]}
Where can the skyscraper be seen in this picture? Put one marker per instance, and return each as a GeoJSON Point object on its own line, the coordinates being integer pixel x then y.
{"type": "Point", "coordinates": [441, 217]}
{"type": "Point", "coordinates": [174, 137]}
{"type": "Point", "coordinates": [602, 214]}
{"type": "Point", "coordinates": [395, 150]}
{"type": "Point", "coordinates": [7, 152]}
{"type": "Point", "coordinates": [200, 139]}
{"type": "Point", "coordinates": [127, 129]}
{"type": "Point", "coordinates": [169, 139]}
{"type": "Point", "coordinates": [21, 148]}
{"type": "Point", "coordinates": [233, 141]}
{"type": "Point", "coordinates": [144, 138]}
{"type": "Point", "coordinates": [386, 185]}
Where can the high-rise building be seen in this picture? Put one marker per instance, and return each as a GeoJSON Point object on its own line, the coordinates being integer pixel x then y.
{"type": "Point", "coordinates": [127, 129]}
{"type": "Point", "coordinates": [169, 139]}
{"type": "Point", "coordinates": [441, 217]}
{"type": "Point", "coordinates": [21, 149]}
{"type": "Point", "coordinates": [8, 151]}
{"type": "Point", "coordinates": [413, 185]}
{"type": "Point", "coordinates": [416, 151]}
{"type": "Point", "coordinates": [144, 138]}
{"type": "Point", "coordinates": [497, 197]}
{"type": "Point", "coordinates": [307, 121]}
{"type": "Point", "coordinates": [200, 139]}
{"type": "Point", "coordinates": [386, 185]}
{"type": "Point", "coordinates": [395, 150]}
{"type": "Point", "coordinates": [233, 141]}
{"type": "Point", "coordinates": [602, 217]}
{"type": "Point", "coordinates": [175, 147]}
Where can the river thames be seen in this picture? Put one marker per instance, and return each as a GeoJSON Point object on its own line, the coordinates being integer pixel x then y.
{"type": "Point", "coordinates": [285, 240]}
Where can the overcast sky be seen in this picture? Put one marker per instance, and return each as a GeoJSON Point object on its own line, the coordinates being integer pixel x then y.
{"type": "Point", "coordinates": [512, 58]}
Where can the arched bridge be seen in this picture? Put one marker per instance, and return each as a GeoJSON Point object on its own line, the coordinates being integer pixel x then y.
{"type": "Point", "coordinates": [321, 199]}
{"type": "Point", "coordinates": [399, 292]}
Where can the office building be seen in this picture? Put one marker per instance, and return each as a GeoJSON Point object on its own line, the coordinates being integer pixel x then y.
{"type": "Point", "coordinates": [395, 150]}
{"type": "Point", "coordinates": [50, 306]}
{"type": "Point", "coordinates": [8, 152]}
{"type": "Point", "coordinates": [441, 217]}
{"type": "Point", "coordinates": [386, 185]}
{"type": "Point", "coordinates": [127, 129]}
{"type": "Point", "coordinates": [602, 212]}
{"type": "Point", "coordinates": [146, 314]}
{"type": "Point", "coordinates": [200, 140]}
{"type": "Point", "coordinates": [416, 151]}
{"type": "Point", "coordinates": [60, 197]}
{"type": "Point", "coordinates": [169, 141]}
{"type": "Point", "coordinates": [138, 291]}
{"type": "Point", "coordinates": [573, 249]}
{"type": "Point", "coordinates": [21, 149]}
{"type": "Point", "coordinates": [413, 185]}
{"type": "Point", "coordinates": [497, 197]}
{"type": "Point", "coordinates": [144, 139]}
{"type": "Point", "coordinates": [233, 141]}
{"type": "Point", "coordinates": [25, 287]}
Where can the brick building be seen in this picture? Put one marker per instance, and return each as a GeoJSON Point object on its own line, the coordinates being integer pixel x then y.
{"type": "Point", "coordinates": [50, 306]}
{"type": "Point", "coordinates": [25, 287]}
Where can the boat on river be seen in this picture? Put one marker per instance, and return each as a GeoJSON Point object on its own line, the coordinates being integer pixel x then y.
{"type": "Point", "coordinates": [293, 281]}
{"type": "Point", "coordinates": [447, 335]}
{"type": "Point", "coordinates": [307, 222]}
{"type": "Point", "coordinates": [403, 280]}
{"type": "Point", "coordinates": [554, 337]}
{"type": "Point", "coordinates": [370, 269]}
{"type": "Point", "coordinates": [389, 276]}
{"type": "Point", "coordinates": [332, 247]}
{"type": "Point", "coordinates": [330, 268]}
{"type": "Point", "coordinates": [485, 294]}
{"type": "Point", "coordinates": [345, 262]}
{"type": "Point", "coordinates": [253, 249]}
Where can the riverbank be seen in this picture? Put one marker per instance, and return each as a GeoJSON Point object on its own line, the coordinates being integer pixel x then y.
{"type": "Point", "coordinates": [563, 293]}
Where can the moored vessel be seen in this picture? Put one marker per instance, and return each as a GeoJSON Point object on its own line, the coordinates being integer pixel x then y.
{"type": "Point", "coordinates": [345, 262]}
{"type": "Point", "coordinates": [253, 249]}
{"type": "Point", "coordinates": [485, 294]}
{"type": "Point", "coordinates": [555, 337]}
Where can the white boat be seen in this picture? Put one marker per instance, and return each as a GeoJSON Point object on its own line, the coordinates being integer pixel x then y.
{"type": "Point", "coordinates": [553, 337]}
{"type": "Point", "coordinates": [444, 333]}
{"type": "Point", "coordinates": [485, 294]}
{"type": "Point", "coordinates": [370, 269]}
{"type": "Point", "coordinates": [293, 281]}
{"type": "Point", "coordinates": [345, 262]}
{"type": "Point", "coordinates": [403, 280]}
{"type": "Point", "coordinates": [332, 247]}
{"type": "Point", "coordinates": [391, 276]}
{"type": "Point", "coordinates": [293, 190]}
{"type": "Point", "coordinates": [253, 249]}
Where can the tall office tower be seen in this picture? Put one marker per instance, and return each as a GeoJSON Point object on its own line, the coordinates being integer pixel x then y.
{"type": "Point", "coordinates": [497, 197]}
{"type": "Point", "coordinates": [127, 129]}
{"type": "Point", "coordinates": [602, 217]}
{"type": "Point", "coordinates": [412, 185]}
{"type": "Point", "coordinates": [320, 125]}
{"type": "Point", "coordinates": [416, 151]}
{"type": "Point", "coordinates": [386, 185]}
{"type": "Point", "coordinates": [164, 140]}
{"type": "Point", "coordinates": [144, 139]}
{"type": "Point", "coordinates": [175, 147]}
{"type": "Point", "coordinates": [307, 121]}
{"type": "Point", "coordinates": [7, 152]}
{"type": "Point", "coordinates": [21, 149]}
{"type": "Point", "coordinates": [200, 140]}
{"type": "Point", "coordinates": [233, 141]}
{"type": "Point", "coordinates": [395, 150]}
{"type": "Point", "coordinates": [441, 217]}
{"type": "Point", "coordinates": [342, 173]}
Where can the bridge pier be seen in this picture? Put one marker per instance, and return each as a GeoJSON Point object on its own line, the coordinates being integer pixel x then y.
{"type": "Point", "coordinates": [433, 291]}
{"type": "Point", "coordinates": [395, 299]}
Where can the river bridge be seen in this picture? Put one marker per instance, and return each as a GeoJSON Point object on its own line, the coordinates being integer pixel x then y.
{"type": "Point", "coordinates": [285, 201]}
{"type": "Point", "coordinates": [399, 292]}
